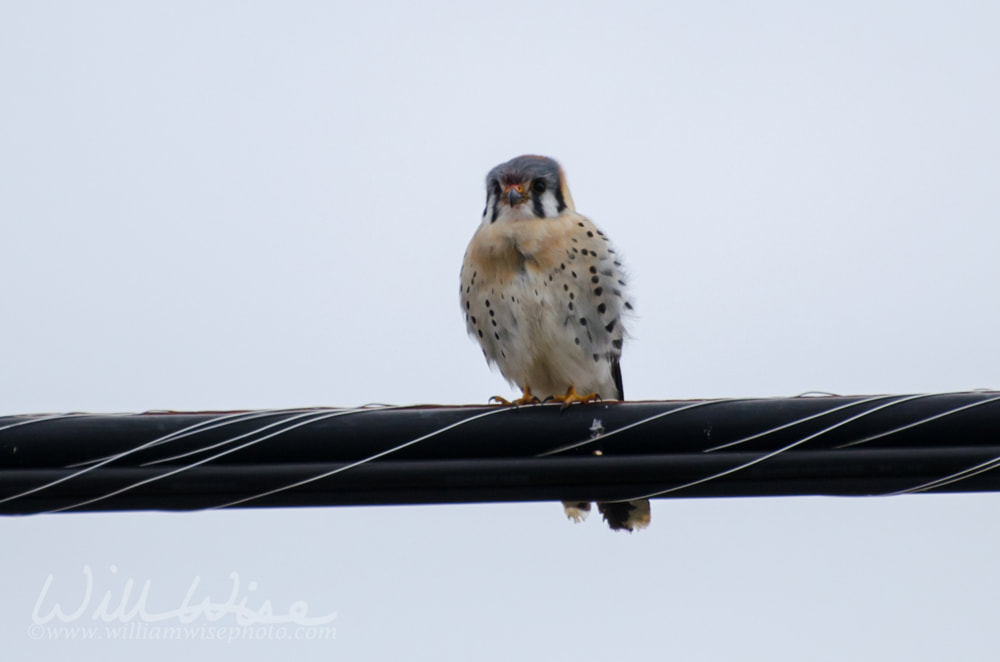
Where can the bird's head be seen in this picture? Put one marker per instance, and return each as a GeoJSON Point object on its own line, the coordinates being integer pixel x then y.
{"type": "Point", "coordinates": [526, 187]}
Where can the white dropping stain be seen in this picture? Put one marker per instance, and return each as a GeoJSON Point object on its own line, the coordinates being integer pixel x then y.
{"type": "Point", "coordinates": [596, 429]}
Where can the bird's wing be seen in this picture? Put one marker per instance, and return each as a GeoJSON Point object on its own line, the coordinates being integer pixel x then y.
{"type": "Point", "coordinates": [616, 375]}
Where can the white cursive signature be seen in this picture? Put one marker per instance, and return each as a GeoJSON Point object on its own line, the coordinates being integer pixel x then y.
{"type": "Point", "coordinates": [126, 609]}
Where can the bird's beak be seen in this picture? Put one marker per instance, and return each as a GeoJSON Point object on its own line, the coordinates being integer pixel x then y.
{"type": "Point", "coordinates": [515, 195]}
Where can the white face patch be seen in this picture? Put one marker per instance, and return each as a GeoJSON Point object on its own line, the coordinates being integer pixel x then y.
{"type": "Point", "coordinates": [550, 204]}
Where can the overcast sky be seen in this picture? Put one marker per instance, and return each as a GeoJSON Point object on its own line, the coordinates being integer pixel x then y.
{"type": "Point", "coordinates": [254, 205]}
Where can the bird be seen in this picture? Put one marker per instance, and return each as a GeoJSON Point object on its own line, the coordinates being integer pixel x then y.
{"type": "Point", "coordinates": [543, 292]}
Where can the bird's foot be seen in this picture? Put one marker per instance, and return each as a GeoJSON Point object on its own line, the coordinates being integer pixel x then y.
{"type": "Point", "coordinates": [526, 399]}
{"type": "Point", "coordinates": [572, 396]}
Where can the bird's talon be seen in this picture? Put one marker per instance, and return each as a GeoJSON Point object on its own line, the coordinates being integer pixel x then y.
{"type": "Point", "coordinates": [527, 398]}
{"type": "Point", "coordinates": [572, 396]}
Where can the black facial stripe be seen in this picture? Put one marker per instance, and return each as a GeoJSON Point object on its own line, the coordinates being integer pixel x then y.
{"type": "Point", "coordinates": [560, 201]}
{"type": "Point", "coordinates": [536, 205]}
{"type": "Point", "coordinates": [496, 209]}
{"type": "Point", "coordinates": [492, 190]}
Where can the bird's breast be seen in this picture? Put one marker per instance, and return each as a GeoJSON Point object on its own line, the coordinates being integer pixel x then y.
{"type": "Point", "coordinates": [495, 255]}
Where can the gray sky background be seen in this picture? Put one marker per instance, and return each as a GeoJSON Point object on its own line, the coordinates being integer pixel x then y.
{"type": "Point", "coordinates": [249, 205]}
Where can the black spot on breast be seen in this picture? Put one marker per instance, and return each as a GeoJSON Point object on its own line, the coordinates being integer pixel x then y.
{"type": "Point", "coordinates": [593, 270]}
{"type": "Point", "coordinates": [583, 321]}
{"type": "Point", "coordinates": [571, 305]}
{"type": "Point", "coordinates": [573, 239]}
{"type": "Point", "coordinates": [573, 273]}
{"type": "Point", "coordinates": [466, 305]}
{"type": "Point", "coordinates": [493, 313]}
{"type": "Point", "coordinates": [595, 279]}
{"type": "Point", "coordinates": [628, 305]}
{"type": "Point", "coordinates": [610, 326]}
{"type": "Point", "coordinates": [480, 333]}
{"type": "Point", "coordinates": [496, 335]}
{"type": "Point", "coordinates": [494, 322]}
{"type": "Point", "coordinates": [575, 250]}
{"type": "Point", "coordinates": [487, 303]}
{"type": "Point", "coordinates": [602, 308]}
{"type": "Point", "coordinates": [565, 287]}
{"type": "Point", "coordinates": [589, 233]}
{"type": "Point", "coordinates": [595, 358]}
{"type": "Point", "coordinates": [577, 341]}
{"type": "Point", "coordinates": [617, 343]}
{"type": "Point", "coordinates": [598, 291]}
{"type": "Point", "coordinates": [572, 296]}
{"type": "Point", "coordinates": [473, 320]}
{"type": "Point", "coordinates": [562, 265]}
{"type": "Point", "coordinates": [580, 224]}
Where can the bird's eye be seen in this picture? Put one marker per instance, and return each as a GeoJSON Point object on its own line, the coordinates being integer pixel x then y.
{"type": "Point", "coordinates": [538, 186]}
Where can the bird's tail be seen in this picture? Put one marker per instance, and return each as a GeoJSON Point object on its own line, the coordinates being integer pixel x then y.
{"type": "Point", "coordinates": [626, 515]}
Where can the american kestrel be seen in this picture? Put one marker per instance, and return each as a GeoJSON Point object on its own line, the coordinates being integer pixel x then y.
{"type": "Point", "coordinates": [543, 291]}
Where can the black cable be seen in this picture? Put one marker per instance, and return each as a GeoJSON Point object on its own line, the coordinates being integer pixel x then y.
{"type": "Point", "coordinates": [858, 445]}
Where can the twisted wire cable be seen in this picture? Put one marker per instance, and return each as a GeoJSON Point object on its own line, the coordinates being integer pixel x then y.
{"type": "Point", "coordinates": [820, 444]}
